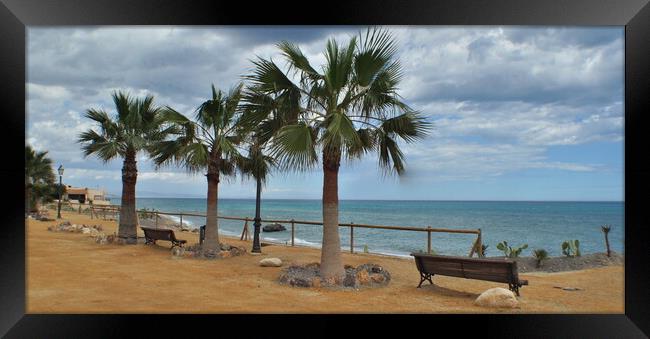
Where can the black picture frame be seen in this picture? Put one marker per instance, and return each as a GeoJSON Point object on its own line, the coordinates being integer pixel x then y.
{"type": "Point", "coordinates": [16, 15]}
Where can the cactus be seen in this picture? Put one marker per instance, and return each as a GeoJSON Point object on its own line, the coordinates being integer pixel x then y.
{"type": "Point", "coordinates": [540, 254]}
{"type": "Point", "coordinates": [571, 248]}
{"type": "Point", "coordinates": [365, 248]}
{"type": "Point", "coordinates": [509, 251]}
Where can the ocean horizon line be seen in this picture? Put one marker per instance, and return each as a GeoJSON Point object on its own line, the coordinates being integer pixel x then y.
{"type": "Point", "coordinates": [433, 200]}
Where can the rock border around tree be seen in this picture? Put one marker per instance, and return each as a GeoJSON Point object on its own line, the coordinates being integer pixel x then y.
{"type": "Point", "coordinates": [362, 276]}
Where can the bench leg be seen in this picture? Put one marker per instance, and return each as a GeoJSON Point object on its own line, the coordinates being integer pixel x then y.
{"type": "Point", "coordinates": [149, 241]}
{"type": "Point", "coordinates": [424, 277]}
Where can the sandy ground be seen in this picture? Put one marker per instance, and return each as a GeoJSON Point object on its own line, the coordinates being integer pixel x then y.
{"type": "Point", "coordinates": [70, 273]}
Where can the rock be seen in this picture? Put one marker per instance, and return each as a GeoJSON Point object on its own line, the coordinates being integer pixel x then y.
{"type": "Point", "coordinates": [273, 228]}
{"type": "Point", "coordinates": [271, 262]}
{"type": "Point", "coordinates": [93, 232]}
{"type": "Point", "coordinates": [364, 278]}
{"type": "Point", "coordinates": [225, 254]}
{"type": "Point", "coordinates": [497, 297]}
{"type": "Point", "coordinates": [350, 280]}
{"type": "Point", "coordinates": [300, 282]}
{"type": "Point", "coordinates": [315, 282]}
{"type": "Point", "coordinates": [110, 239]}
{"type": "Point", "coordinates": [177, 251]}
{"type": "Point", "coordinates": [85, 230]}
{"type": "Point", "coordinates": [377, 278]}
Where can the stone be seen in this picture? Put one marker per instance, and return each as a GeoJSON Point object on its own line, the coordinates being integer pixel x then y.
{"type": "Point", "coordinates": [350, 280]}
{"type": "Point", "coordinates": [85, 230]}
{"type": "Point", "coordinates": [273, 228]}
{"type": "Point", "coordinates": [271, 262]}
{"type": "Point", "coordinates": [300, 282]}
{"type": "Point", "coordinates": [225, 254]}
{"type": "Point", "coordinates": [497, 297]}
{"type": "Point", "coordinates": [177, 251]}
{"type": "Point", "coordinates": [377, 278]}
{"type": "Point", "coordinates": [315, 282]}
{"type": "Point", "coordinates": [364, 278]}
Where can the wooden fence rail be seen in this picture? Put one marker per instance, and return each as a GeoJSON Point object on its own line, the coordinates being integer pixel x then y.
{"type": "Point", "coordinates": [476, 248]}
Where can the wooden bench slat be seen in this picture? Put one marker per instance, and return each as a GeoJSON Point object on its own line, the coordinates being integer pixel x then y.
{"type": "Point", "coordinates": [497, 270]}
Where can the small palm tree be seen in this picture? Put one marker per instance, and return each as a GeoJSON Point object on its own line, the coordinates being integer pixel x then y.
{"type": "Point", "coordinates": [540, 255]}
{"type": "Point", "coordinates": [348, 109]}
{"type": "Point", "coordinates": [606, 229]}
{"type": "Point", "coordinates": [137, 124]}
{"type": "Point", "coordinates": [207, 144]}
{"type": "Point", "coordinates": [39, 175]}
{"type": "Point", "coordinates": [256, 165]}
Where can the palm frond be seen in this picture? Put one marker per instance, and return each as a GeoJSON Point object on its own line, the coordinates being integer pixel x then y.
{"type": "Point", "coordinates": [294, 147]}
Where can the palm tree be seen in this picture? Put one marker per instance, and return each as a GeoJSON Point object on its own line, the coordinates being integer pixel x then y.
{"type": "Point", "coordinates": [38, 175]}
{"type": "Point", "coordinates": [209, 144]}
{"type": "Point", "coordinates": [136, 126]}
{"type": "Point", "coordinates": [350, 108]}
{"type": "Point", "coordinates": [257, 165]}
{"type": "Point", "coordinates": [606, 229]}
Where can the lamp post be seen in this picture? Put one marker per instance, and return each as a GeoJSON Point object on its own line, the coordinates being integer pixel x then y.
{"type": "Point", "coordinates": [258, 221]}
{"type": "Point", "coordinates": [58, 214]}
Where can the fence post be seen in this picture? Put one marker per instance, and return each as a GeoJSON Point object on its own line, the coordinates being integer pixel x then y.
{"type": "Point", "coordinates": [92, 210]}
{"type": "Point", "coordinates": [352, 237]}
{"type": "Point", "coordinates": [156, 213]}
{"type": "Point", "coordinates": [292, 231]}
{"type": "Point", "coordinates": [181, 220]}
{"type": "Point", "coordinates": [479, 242]}
{"type": "Point", "coordinates": [429, 239]}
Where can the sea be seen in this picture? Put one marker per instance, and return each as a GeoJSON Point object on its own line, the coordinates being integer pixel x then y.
{"type": "Point", "coordinates": [540, 224]}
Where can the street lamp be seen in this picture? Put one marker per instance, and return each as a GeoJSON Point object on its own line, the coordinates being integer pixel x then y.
{"type": "Point", "coordinates": [58, 214]}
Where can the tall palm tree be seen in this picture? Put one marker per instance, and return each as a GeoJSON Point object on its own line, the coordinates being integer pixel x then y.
{"type": "Point", "coordinates": [348, 109]}
{"type": "Point", "coordinates": [38, 174]}
{"type": "Point", "coordinates": [137, 124]}
{"type": "Point", "coordinates": [207, 144]}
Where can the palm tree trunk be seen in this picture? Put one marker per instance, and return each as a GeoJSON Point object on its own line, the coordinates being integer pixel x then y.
{"type": "Point", "coordinates": [609, 253]}
{"type": "Point", "coordinates": [212, 222]}
{"type": "Point", "coordinates": [331, 265]}
{"type": "Point", "coordinates": [127, 228]}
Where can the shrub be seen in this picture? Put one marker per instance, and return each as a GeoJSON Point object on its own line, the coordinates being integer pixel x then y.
{"type": "Point", "coordinates": [540, 254]}
{"type": "Point", "coordinates": [509, 251]}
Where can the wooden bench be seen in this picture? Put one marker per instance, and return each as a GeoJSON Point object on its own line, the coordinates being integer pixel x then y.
{"type": "Point", "coordinates": [153, 234]}
{"type": "Point", "coordinates": [497, 270]}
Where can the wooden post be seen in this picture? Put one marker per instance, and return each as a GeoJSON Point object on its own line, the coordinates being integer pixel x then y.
{"type": "Point", "coordinates": [292, 232]}
{"type": "Point", "coordinates": [92, 210]}
{"type": "Point", "coordinates": [479, 241]}
{"type": "Point", "coordinates": [351, 237]}
{"type": "Point", "coordinates": [156, 213]}
{"type": "Point", "coordinates": [181, 220]}
{"type": "Point", "coordinates": [429, 239]}
{"type": "Point", "coordinates": [244, 232]}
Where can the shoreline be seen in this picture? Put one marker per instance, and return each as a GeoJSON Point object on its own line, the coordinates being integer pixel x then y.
{"type": "Point", "coordinates": [525, 264]}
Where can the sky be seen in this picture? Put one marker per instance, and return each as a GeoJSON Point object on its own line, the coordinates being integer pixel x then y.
{"type": "Point", "coordinates": [518, 113]}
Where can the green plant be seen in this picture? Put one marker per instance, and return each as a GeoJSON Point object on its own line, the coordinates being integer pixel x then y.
{"type": "Point", "coordinates": [147, 213]}
{"type": "Point", "coordinates": [509, 251]}
{"type": "Point", "coordinates": [571, 248]}
{"type": "Point", "coordinates": [365, 248]}
{"type": "Point", "coordinates": [540, 254]}
{"type": "Point", "coordinates": [606, 229]}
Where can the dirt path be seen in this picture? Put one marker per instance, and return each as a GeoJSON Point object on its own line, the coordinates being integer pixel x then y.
{"type": "Point", "coordinates": [70, 273]}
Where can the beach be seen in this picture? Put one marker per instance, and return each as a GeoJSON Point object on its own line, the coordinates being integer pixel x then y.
{"type": "Point", "coordinates": [70, 273]}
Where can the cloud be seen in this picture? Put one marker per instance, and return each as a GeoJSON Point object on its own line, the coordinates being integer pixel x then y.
{"type": "Point", "coordinates": [500, 97]}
